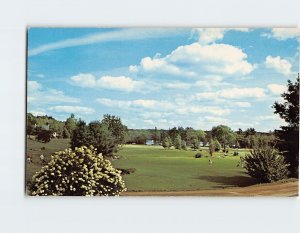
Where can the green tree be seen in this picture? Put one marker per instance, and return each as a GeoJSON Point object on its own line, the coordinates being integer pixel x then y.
{"type": "Point", "coordinates": [70, 124]}
{"type": "Point", "coordinates": [167, 142]}
{"type": "Point", "coordinates": [211, 147]}
{"type": "Point", "coordinates": [288, 136]}
{"type": "Point", "coordinates": [31, 124]}
{"type": "Point", "coordinates": [102, 138]}
{"type": "Point", "coordinates": [217, 145]}
{"type": "Point", "coordinates": [183, 145]}
{"type": "Point", "coordinates": [81, 135]}
{"type": "Point", "coordinates": [224, 135]}
{"type": "Point", "coordinates": [66, 133]}
{"type": "Point", "coordinates": [44, 135]}
{"type": "Point", "coordinates": [114, 123]}
{"type": "Point", "coordinates": [195, 144]}
{"type": "Point", "coordinates": [178, 142]}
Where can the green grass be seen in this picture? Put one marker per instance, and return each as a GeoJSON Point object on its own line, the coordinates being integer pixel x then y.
{"type": "Point", "coordinates": [158, 169]}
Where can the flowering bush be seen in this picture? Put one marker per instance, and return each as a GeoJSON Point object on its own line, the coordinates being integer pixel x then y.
{"type": "Point", "coordinates": [78, 172]}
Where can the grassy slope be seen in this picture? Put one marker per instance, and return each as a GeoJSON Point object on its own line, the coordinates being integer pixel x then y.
{"type": "Point", "coordinates": [159, 169]}
{"type": "Point", "coordinates": [34, 148]}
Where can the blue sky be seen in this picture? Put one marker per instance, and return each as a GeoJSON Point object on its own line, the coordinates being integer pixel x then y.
{"type": "Point", "coordinates": [163, 77]}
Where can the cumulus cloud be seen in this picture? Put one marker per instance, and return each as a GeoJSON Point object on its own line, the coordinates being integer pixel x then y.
{"type": "Point", "coordinates": [162, 106]}
{"type": "Point", "coordinates": [194, 59]}
{"type": "Point", "coordinates": [283, 33]}
{"type": "Point", "coordinates": [233, 93]}
{"type": "Point", "coordinates": [280, 65]}
{"type": "Point", "coordinates": [121, 83]}
{"type": "Point", "coordinates": [72, 109]}
{"type": "Point", "coordinates": [210, 35]}
{"type": "Point", "coordinates": [38, 95]}
{"type": "Point", "coordinates": [277, 89]}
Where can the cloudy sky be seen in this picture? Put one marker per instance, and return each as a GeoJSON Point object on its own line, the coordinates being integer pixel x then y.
{"type": "Point", "coordinates": [162, 77]}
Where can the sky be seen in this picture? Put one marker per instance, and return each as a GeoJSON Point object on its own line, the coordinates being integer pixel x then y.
{"type": "Point", "coordinates": [162, 77]}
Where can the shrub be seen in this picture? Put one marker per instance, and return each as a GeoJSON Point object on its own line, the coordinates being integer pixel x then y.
{"type": "Point", "coordinates": [44, 135]}
{"type": "Point", "coordinates": [198, 155]}
{"type": "Point", "coordinates": [183, 145]}
{"type": "Point", "coordinates": [178, 142]}
{"type": "Point", "coordinates": [43, 148]}
{"type": "Point", "coordinates": [235, 153]}
{"type": "Point", "coordinates": [78, 172]}
{"type": "Point", "coordinates": [266, 164]}
{"type": "Point", "coordinates": [217, 145]}
{"type": "Point", "coordinates": [167, 143]}
{"type": "Point", "coordinates": [195, 144]}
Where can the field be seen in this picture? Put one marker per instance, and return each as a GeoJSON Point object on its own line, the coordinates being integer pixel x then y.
{"type": "Point", "coordinates": [158, 169]}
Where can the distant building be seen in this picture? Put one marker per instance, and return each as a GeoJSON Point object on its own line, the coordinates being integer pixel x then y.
{"type": "Point", "coordinates": [150, 142]}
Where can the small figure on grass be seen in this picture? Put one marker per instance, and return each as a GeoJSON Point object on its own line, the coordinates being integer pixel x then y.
{"type": "Point", "coordinates": [42, 158]}
{"type": "Point", "coordinates": [210, 162]}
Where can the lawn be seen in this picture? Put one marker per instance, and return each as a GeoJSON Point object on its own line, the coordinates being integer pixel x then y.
{"type": "Point", "coordinates": [158, 169]}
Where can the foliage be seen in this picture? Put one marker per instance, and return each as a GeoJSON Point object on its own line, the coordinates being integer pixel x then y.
{"type": "Point", "coordinates": [81, 135]}
{"type": "Point", "coordinates": [31, 123]}
{"type": "Point", "coordinates": [167, 143]}
{"type": "Point", "coordinates": [195, 144]}
{"type": "Point", "coordinates": [178, 142]}
{"type": "Point", "coordinates": [115, 126]}
{"type": "Point", "coordinates": [183, 145]}
{"type": "Point", "coordinates": [44, 135]}
{"type": "Point", "coordinates": [224, 135]}
{"type": "Point", "coordinates": [235, 153]}
{"type": "Point", "coordinates": [78, 172]}
{"type": "Point", "coordinates": [198, 155]}
{"type": "Point", "coordinates": [217, 145]}
{"type": "Point", "coordinates": [288, 136]}
{"type": "Point", "coordinates": [102, 138]}
{"type": "Point", "coordinates": [212, 148]}
{"type": "Point", "coordinates": [266, 164]}
{"type": "Point", "coordinates": [66, 133]}
{"type": "Point", "coordinates": [70, 125]}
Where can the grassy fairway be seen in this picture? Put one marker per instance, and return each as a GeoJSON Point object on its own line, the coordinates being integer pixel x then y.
{"type": "Point", "coordinates": [158, 169]}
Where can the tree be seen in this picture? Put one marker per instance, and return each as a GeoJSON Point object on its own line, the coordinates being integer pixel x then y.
{"type": "Point", "coordinates": [66, 133]}
{"type": "Point", "coordinates": [195, 144]}
{"type": "Point", "coordinates": [115, 125]}
{"type": "Point", "coordinates": [211, 147]}
{"type": "Point", "coordinates": [224, 135]}
{"type": "Point", "coordinates": [78, 172]}
{"type": "Point", "coordinates": [31, 124]}
{"type": "Point", "coordinates": [288, 136]}
{"type": "Point", "coordinates": [178, 142]}
{"type": "Point", "coordinates": [102, 138]}
{"type": "Point", "coordinates": [217, 145]}
{"type": "Point", "coordinates": [70, 124]}
{"type": "Point", "coordinates": [81, 135]}
{"type": "Point", "coordinates": [167, 143]}
{"type": "Point", "coordinates": [183, 145]}
{"type": "Point", "coordinates": [266, 164]}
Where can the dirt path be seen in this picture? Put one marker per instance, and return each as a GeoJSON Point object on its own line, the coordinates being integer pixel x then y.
{"type": "Point", "coordinates": [285, 189]}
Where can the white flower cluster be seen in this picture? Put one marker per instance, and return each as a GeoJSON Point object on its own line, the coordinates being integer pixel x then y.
{"type": "Point", "coordinates": [78, 172]}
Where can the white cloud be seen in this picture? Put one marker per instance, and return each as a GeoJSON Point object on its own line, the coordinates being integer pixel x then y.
{"type": "Point", "coordinates": [116, 35]}
{"type": "Point", "coordinates": [202, 109]}
{"type": "Point", "coordinates": [210, 35]}
{"type": "Point", "coordinates": [233, 93]}
{"type": "Point", "coordinates": [214, 58]}
{"type": "Point", "coordinates": [242, 104]}
{"type": "Point", "coordinates": [38, 95]}
{"type": "Point", "coordinates": [72, 109]}
{"type": "Point", "coordinates": [177, 85]}
{"type": "Point", "coordinates": [277, 89]}
{"type": "Point", "coordinates": [38, 113]}
{"type": "Point", "coordinates": [216, 120]}
{"type": "Point", "coordinates": [133, 68]}
{"type": "Point", "coordinates": [121, 83]}
{"type": "Point", "coordinates": [280, 65]}
{"type": "Point", "coordinates": [33, 86]}
{"type": "Point", "coordinates": [284, 33]}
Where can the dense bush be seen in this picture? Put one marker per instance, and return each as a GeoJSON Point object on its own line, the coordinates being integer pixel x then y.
{"type": "Point", "coordinates": [198, 155]}
{"type": "Point", "coordinates": [178, 142]}
{"type": "Point", "coordinates": [44, 135]}
{"type": "Point", "coordinates": [217, 145]}
{"type": "Point", "coordinates": [235, 153]}
{"type": "Point", "coordinates": [78, 172]}
{"type": "Point", "coordinates": [266, 164]}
